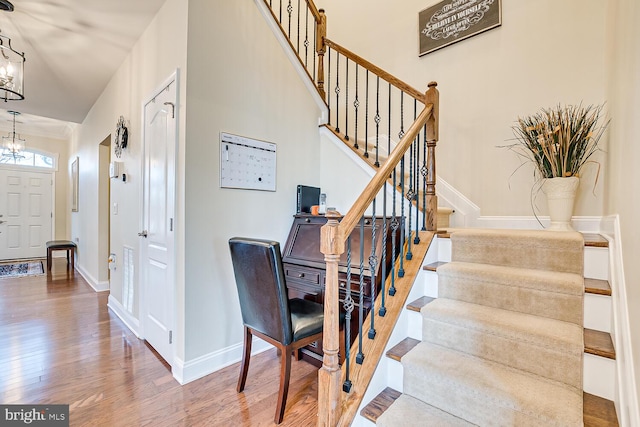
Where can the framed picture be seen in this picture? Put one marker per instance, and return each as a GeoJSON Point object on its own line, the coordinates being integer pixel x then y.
{"type": "Point", "coordinates": [74, 185]}
{"type": "Point", "coordinates": [451, 21]}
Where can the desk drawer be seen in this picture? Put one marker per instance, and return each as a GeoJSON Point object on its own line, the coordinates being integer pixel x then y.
{"type": "Point", "coordinates": [354, 285]}
{"type": "Point", "coordinates": [302, 275]}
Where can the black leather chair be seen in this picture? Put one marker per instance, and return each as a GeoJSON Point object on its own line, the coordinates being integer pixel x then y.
{"type": "Point", "coordinates": [266, 310]}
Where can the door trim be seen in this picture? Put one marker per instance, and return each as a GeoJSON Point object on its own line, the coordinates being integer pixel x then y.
{"type": "Point", "coordinates": [142, 311]}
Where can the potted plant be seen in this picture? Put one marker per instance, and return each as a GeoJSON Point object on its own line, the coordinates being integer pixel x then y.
{"type": "Point", "coordinates": [560, 141]}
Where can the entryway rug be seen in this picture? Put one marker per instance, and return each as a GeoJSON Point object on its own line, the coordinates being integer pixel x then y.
{"type": "Point", "coordinates": [17, 269]}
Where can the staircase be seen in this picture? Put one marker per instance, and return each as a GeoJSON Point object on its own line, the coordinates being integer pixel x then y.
{"type": "Point", "coordinates": [362, 103]}
{"type": "Point", "coordinates": [432, 334]}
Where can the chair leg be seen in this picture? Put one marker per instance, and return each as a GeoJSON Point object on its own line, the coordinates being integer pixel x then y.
{"type": "Point", "coordinates": [246, 355]}
{"type": "Point", "coordinates": [285, 373]}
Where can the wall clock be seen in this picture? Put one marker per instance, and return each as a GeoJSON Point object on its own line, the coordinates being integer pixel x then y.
{"type": "Point", "coordinates": [122, 135]}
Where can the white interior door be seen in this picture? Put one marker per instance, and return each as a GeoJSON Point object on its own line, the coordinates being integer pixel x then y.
{"type": "Point", "coordinates": [25, 213]}
{"type": "Point", "coordinates": [157, 237]}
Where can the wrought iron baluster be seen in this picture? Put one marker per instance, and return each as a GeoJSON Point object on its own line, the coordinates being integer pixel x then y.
{"type": "Point", "coordinates": [402, 223]}
{"type": "Point", "coordinates": [315, 57]}
{"type": "Point", "coordinates": [280, 18]}
{"type": "Point", "coordinates": [383, 307]}
{"type": "Point", "coordinates": [346, 100]}
{"type": "Point", "coordinates": [337, 91]}
{"type": "Point", "coordinates": [306, 42]}
{"type": "Point", "coordinates": [366, 118]}
{"type": "Point", "coordinates": [373, 263]}
{"type": "Point", "coordinates": [394, 230]}
{"type": "Point", "coordinates": [289, 10]}
{"type": "Point", "coordinates": [356, 104]}
{"type": "Point", "coordinates": [423, 172]}
{"type": "Point", "coordinates": [377, 120]}
{"type": "Point", "coordinates": [298, 38]}
{"type": "Point", "coordinates": [348, 305]}
{"type": "Point", "coordinates": [410, 193]}
{"type": "Point", "coordinates": [329, 88]}
{"type": "Point", "coordinates": [416, 144]}
{"type": "Point", "coordinates": [360, 355]}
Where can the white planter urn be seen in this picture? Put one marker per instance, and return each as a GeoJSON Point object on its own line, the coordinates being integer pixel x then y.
{"type": "Point", "coordinates": [561, 193]}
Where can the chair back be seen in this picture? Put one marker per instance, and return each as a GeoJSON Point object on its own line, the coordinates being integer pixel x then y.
{"type": "Point", "coordinates": [257, 265]}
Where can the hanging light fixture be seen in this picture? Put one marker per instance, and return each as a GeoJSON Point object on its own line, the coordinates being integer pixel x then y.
{"type": "Point", "coordinates": [13, 145]}
{"type": "Point", "coordinates": [11, 65]}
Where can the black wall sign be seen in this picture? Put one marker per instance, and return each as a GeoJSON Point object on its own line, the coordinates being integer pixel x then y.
{"type": "Point", "coordinates": [453, 20]}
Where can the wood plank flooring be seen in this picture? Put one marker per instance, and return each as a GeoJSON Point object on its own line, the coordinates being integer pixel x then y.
{"type": "Point", "coordinates": [60, 344]}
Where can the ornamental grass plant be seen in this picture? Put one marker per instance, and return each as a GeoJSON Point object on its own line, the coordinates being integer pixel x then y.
{"type": "Point", "coordinates": [559, 140]}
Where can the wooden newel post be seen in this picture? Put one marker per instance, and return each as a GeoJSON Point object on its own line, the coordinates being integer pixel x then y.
{"type": "Point", "coordinates": [329, 376]}
{"type": "Point", "coordinates": [432, 96]}
{"type": "Point", "coordinates": [321, 33]}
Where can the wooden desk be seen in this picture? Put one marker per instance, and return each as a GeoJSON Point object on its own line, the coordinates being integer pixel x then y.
{"type": "Point", "coordinates": [304, 269]}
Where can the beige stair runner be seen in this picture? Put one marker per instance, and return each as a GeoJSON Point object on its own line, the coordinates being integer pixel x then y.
{"type": "Point", "coordinates": [503, 345]}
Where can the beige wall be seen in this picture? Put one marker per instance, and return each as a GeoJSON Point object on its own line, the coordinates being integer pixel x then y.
{"type": "Point", "coordinates": [623, 189]}
{"type": "Point", "coordinates": [546, 52]}
{"type": "Point", "coordinates": [240, 82]}
{"type": "Point", "coordinates": [160, 51]}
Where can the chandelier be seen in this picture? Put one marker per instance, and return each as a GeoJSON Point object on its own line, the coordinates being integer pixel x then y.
{"type": "Point", "coordinates": [11, 65]}
{"type": "Point", "coordinates": [13, 145]}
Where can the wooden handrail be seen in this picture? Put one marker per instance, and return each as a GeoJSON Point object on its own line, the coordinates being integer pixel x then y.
{"type": "Point", "coordinates": [371, 190]}
{"type": "Point", "coordinates": [332, 244]}
{"type": "Point", "coordinates": [390, 78]}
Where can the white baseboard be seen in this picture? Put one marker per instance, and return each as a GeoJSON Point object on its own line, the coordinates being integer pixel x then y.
{"type": "Point", "coordinates": [185, 372]}
{"type": "Point", "coordinates": [131, 322]}
{"type": "Point", "coordinates": [626, 399]}
{"type": "Point", "coordinates": [97, 285]}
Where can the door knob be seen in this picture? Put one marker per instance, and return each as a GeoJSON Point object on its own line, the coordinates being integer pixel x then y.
{"type": "Point", "coordinates": [143, 233]}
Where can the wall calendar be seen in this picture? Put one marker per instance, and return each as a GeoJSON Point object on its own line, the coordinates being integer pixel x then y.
{"type": "Point", "coordinates": [247, 163]}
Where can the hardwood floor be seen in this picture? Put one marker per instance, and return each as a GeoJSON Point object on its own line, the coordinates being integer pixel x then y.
{"type": "Point", "coordinates": [60, 344]}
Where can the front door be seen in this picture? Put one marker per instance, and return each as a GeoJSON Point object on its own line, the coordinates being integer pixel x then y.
{"type": "Point", "coordinates": [157, 237]}
{"type": "Point", "coordinates": [25, 213]}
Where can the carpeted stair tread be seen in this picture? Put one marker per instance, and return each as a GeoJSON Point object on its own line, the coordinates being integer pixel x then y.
{"type": "Point", "coordinates": [409, 411]}
{"type": "Point", "coordinates": [487, 393]}
{"type": "Point", "coordinates": [560, 251]}
{"type": "Point", "coordinates": [550, 294]}
{"type": "Point", "coordinates": [539, 345]}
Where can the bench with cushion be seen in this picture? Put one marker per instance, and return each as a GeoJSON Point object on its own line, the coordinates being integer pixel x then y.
{"type": "Point", "coordinates": [61, 245]}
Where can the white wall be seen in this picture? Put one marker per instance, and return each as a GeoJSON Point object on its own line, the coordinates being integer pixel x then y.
{"type": "Point", "coordinates": [240, 82]}
{"type": "Point", "coordinates": [623, 187]}
{"type": "Point", "coordinates": [159, 52]}
{"type": "Point", "coordinates": [546, 52]}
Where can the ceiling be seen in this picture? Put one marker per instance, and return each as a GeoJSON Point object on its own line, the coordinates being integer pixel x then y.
{"type": "Point", "coordinates": [72, 49]}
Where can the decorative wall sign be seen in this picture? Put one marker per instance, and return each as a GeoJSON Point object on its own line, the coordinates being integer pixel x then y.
{"type": "Point", "coordinates": [450, 21]}
{"type": "Point", "coordinates": [247, 163]}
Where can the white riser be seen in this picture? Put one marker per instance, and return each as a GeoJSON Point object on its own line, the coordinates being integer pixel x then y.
{"type": "Point", "coordinates": [599, 376]}
{"type": "Point", "coordinates": [597, 312]}
{"type": "Point", "coordinates": [444, 250]}
{"type": "Point", "coordinates": [596, 263]}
